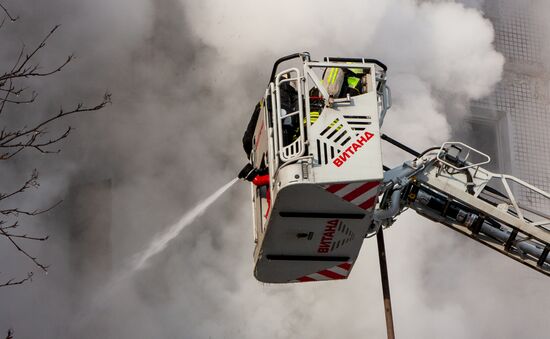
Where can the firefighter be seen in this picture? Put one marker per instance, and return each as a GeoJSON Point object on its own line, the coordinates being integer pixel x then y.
{"type": "Point", "coordinates": [289, 103]}
{"type": "Point", "coordinates": [249, 132]}
{"type": "Point", "coordinates": [248, 172]}
{"type": "Point", "coordinates": [333, 81]}
{"type": "Point", "coordinates": [339, 82]}
{"type": "Point", "coordinates": [354, 82]}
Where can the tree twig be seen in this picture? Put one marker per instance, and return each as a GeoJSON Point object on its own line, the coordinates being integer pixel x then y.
{"type": "Point", "coordinates": [29, 137]}
{"type": "Point", "coordinates": [20, 70]}
{"type": "Point", "coordinates": [15, 140]}
{"type": "Point", "coordinates": [31, 182]}
{"type": "Point", "coordinates": [33, 259]}
{"type": "Point", "coordinates": [5, 10]}
{"type": "Point", "coordinates": [13, 282]}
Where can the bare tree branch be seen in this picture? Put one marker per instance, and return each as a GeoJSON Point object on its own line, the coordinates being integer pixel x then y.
{"type": "Point", "coordinates": [36, 137]}
{"type": "Point", "coordinates": [24, 236]}
{"type": "Point", "coordinates": [22, 101]}
{"type": "Point", "coordinates": [5, 10]}
{"type": "Point", "coordinates": [15, 141]}
{"type": "Point", "coordinates": [14, 225]}
{"type": "Point", "coordinates": [23, 69]}
{"type": "Point", "coordinates": [25, 253]}
{"type": "Point", "coordinates": [17, 211]}
{"type": "Point", "coordinates": [13, 282]}
{"type": "Point", "coordinates": [31, 182]}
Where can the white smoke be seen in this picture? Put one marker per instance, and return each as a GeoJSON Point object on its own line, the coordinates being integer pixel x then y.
{"type": "Point", "coordinates": [162, 240]}
{"type": "Point", "coordinates": [429, 47]}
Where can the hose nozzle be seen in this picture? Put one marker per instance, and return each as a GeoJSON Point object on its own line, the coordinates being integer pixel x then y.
{"type": "Point", "coordinates": [248, 172]}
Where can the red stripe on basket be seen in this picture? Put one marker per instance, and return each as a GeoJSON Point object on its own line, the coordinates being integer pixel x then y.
{"type": "Point", "coordinates": [368, 204]}
{"type": "Point", "coordinates": [360, 190]}
{"type": "Point", "coordinates": [346, 266]}
{"type": "Point", "coordinates": [330, 274]}
{"type": "Point", "coordinates": [335, 188]}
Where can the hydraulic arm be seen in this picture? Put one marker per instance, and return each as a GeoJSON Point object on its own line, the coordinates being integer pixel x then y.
{"type": "Point", "coordinates": [449, 186]}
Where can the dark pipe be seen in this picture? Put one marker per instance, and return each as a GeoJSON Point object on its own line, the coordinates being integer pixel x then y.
{"type": "Point", "coordinates": [385, 284]}
{"type": "Point", "coordinates": [374, 61]}
{"type": "Point", "coordinates": [400, 145]}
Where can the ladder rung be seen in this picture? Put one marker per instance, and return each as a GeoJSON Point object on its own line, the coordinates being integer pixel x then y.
{"type": "Point", "coordinates": [510, 240]}
{"type": "Point", "coordinates": [543, 256]}
{"type": "Point", "coordinates": [476, 227]}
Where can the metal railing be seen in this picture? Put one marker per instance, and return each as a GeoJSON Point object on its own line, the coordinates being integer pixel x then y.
{"type": "Point", "coordinates": [296, 147]}
{"type": "Point", "coordinates": [486, 176]}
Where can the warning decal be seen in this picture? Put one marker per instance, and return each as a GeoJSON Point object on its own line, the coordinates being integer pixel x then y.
{"type": "Point", "coordinates": [334, 273]}
{"type": "Point", "coordinates": [361, 194]}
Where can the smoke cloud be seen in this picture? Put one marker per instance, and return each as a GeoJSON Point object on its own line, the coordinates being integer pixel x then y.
{"type": "Point", "coordinates": [185, 76]}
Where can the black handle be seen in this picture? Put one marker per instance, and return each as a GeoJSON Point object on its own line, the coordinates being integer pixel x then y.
{"type": "Point", "coordinates": [374, 61]}
{"type": "Point", "coordinates": [283, 59]}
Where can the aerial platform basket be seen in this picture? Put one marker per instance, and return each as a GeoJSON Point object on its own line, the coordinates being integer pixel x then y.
{"type": "Point", "coordinates": [325, 167]}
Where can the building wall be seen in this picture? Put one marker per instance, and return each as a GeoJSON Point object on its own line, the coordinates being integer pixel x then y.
{"type": "Point", "coordinates": [519, 106]}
